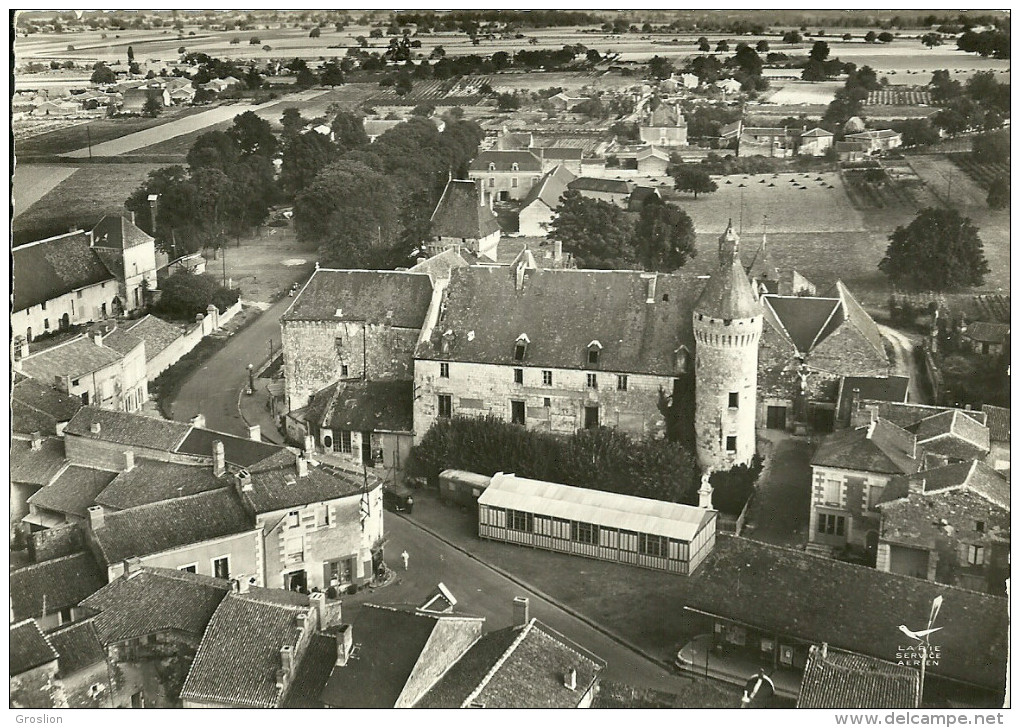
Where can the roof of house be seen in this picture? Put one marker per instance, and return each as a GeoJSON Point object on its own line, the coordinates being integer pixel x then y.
{"type": "Point", "coordinates": [158, 527]}
{"type": "Point", "coordinates": [974, 475]}
{"type": "Point", "coordinates": [151, 481]}
{"type": "Point", "coordinates": [987, 332]}
{"type": "Point", "coordinates": [36, 467]}
{"type": "Point", "coordinates": [881, 447]}
{"type": "Point", "coordinates": [666, 115]}
{"type": "Point", "coordinates": [373, 406]}
{"type": "Point", "coordinates": [850, 146]}
{"type": "Point", "coordinates": [38, 406]}
{"type": "Point", "coordinates": [550, 188]}
{"type": "Point", "coordinates": [731, 129]}
{"type": "Point", "coordinates": [156, 333]}
{"type": "Point", "coordinates": [954, 434]}
{"type": "Point", "coordinates": [567, 153]}
{"type": "Point", "coordinates": [462, 213]}
{"type": "Point", "coordinates": [74, 358]}
{"type": "Point", "coordinates": [562, 312]}
{"type": "Point", "coordinates": [728, 294]}
{"type": "Point", "coordinates": [505, 159]}
{"type": "Point", "coordinates": [816, 132]}
{"type": "Point", "coordinates": [53, 585]}
{"type": "Point", "coordinates": [312, 673]}
{"type": "Point", "coordinates": [399, 298]}
{"type": "Point", "coordinates": [49, 268]}
{"type": "Point", "coordinates": [515, 139]}
{"type": "Point", "coordinates": [997, 422]}
{"type": "Point", "coordinates": [29, 647]}
{"type": "Point", "coordinates": [851, 607]}
{"type": "Point", "coordinates": [78, 646]}
{"type": "Point", "coordinates": [838, 680]}
{"type": "Point", "coordinates": [600, 184]}
{"type": "Point", "coordinates": [150, 600]}
{"type": "Point", "coordinates": [869, 134]}
{"type": "Point", "coordinates": [438, 267]}
{"type": "Point", "coordinates": [875, 389]}
{"type": "Point", "coordinates": [614, 510]}
{"type": "Point", "coordinates": [117, 231]}
{"type": "Point", "coordinates": [640, 196]}
{"type": "Point", "coordinates": [126, 428]}
{"type": "Point", "coordinates": [241, 451]}
{"type": "Point", "coordinates": [909, 414]}
{"type": "Point", "coordinates": [239, 656]}
{"type": "Point", "coordinates": [375, 127]}
{"type": "Point", "coordinates": [275, 484]}
{"type": "Point", "coordinates": [122, 341]}
{"type": "Point", "coordinates": [73, 491]}
{"type": "Point", "coordinates": [809, 321]}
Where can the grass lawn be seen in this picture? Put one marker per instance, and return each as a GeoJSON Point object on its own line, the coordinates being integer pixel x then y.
{"type": "Point", "coordinates": [80, 200]}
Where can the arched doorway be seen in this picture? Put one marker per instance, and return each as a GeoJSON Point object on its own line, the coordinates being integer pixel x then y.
{"type": "Point", "coordinates": [117, 307]}
{"type": "Point", "coordinates": [65, 322]}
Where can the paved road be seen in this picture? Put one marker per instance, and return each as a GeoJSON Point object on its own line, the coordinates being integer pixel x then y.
{"type": "Point", "coordinates": [907, 362]}
{"type": "Point", "coordinates": [212, 390]}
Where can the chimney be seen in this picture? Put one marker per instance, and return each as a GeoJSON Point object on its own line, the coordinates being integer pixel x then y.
{"type": "Point", "coordinates": [132, 565]}
{"type": "Point", "coordinates": [481, 194]}
{"type": "Point", "coordinates": [519, 276]}
{"type": "Point", "coordinates": [60, 427]}
{"type": "Point", "coordinates": [522, 611]}
{"type": "Point", "coordinates": [244, 480]}
{"type": "Point", "coordinates": [219, 459]}
{"type": "Point", "coordinates": [446, 340]}
{"type": "Point", "coordinates": [825, 650]}
{"type": "Point", "coordinates": [651, 289]}
{"type": "Point", "coordinates": [318, 602]}
{"type": "Point", "coordinates": [281, 680]}
{"type": "Point", "coordinates": [287, 659]}
{"type": "Point", "coordinates": [302, 621]}
{"type": "Point", "coordinates": [198, 421]}
{"type": "Point", "coordinates": [255, 433]}
{"type": "Point", "coordinates": [153, 204]}
{"type": "Point", "coordinates": [132, 213]}
{"type": "Point", "coordinates": [302, 467]}
{"type": "Point", "coordinates": [37, 440]}
{"type": "Point", "coordinates": [96, 518]}
{"type": "Point", "coordinates": [855, 400]}
{"type": "Point", "coordinates": [309, 450]}
{"type": "Point", "coordinates": [344, 644]}
{"type": "Point", "coordinates": [129, 461]}
{"type": "Point", "coordinates": [95, 428]}
{"type": "Point", "coordinates": [97, 336]}
{"type": "Point", "coordinates": [570, 679]}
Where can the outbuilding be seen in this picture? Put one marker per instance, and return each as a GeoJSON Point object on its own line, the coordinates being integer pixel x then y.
{"type": "Point", "coordinates": [600, 525]}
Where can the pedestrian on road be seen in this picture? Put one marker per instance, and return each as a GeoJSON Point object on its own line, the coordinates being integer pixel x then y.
{"type": "Point", "coordinates": [406, 557]}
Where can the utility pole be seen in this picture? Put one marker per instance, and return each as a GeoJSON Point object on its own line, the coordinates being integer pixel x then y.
{"type": "Point", "coordinates": [88, 133]}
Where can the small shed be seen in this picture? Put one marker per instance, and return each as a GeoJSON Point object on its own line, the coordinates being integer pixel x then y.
{"type": "Point", "coordinates": [461, 487]}
{"type": "Point", "coordinates": [600, 525]}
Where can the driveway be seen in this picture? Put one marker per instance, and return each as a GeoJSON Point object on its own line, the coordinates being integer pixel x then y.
{"type": "Point", "coordinates": [906, 362]}
{"type": "Point", "coordinates": [781, 510]}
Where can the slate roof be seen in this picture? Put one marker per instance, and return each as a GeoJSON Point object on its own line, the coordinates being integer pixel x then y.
{"type": "Point", "coordinates": [312, 673]}
{"type": "Point", "coordinates": [803, 319]}
{"type": "Point", "coordinates": [363, 295]}
{"type": "Point", "coordinates": [74, 490]}
{"type": "Point", "coordinates": [728, 293]}
{"type": "Point", "coordinates": [56, 584]}
{"type": "Point", "coordinates": [907, 415]}
{"type": "Point", "coordinates": [121, 341]}
{"type": "Point", "coordinates": [504, 161]}
{"type": "Point", "coordinates": [276, 485]}
{"type": "Point", "coordinates": [816, 132]}
{"type": "Point", "coordinates": [600, 184]}
{"type": "Point", "coordinates": [29, 647]}
{"type": "Point", "coordinates": [50, 268]}
{"type": "Point", "coordinates": [875, 389]}
{"type": "Point", "coordinates": [36, 467]}
{"type": "Point", "coordinates": [562, 312]}
{"type": "Point", "coordinates": [953, 433]}
{"type": "Point", "coordinates": [987, 332]}
{"type": "Point", "coordinates": [374, 406]}
{"type": "Point", "coordinates": [460, 212]}
{"type": "Point", "coordinates": [126, 428]}
{"type": "Point", "coordinates": [878, 448]}
{"type": "Point", "coordinates": [997, 422]}
{"type": "Point", "coordinates": [38, 407]}
{"type": "Point", "coordinates": [666, 115]}
{"type": "Point", "coordinates": [237, 660]}
{"type": "Point", "coordinates": [851, 607]}
{"type": "Point", "coordinates": [838, 680]}
{"type": "Point", "coordinates": [117, 231]}
{"type": "Point", "coordinates": [156, 333]}
{"type": "Point", "coordinates": [151, 481]}
{"type": "Point", "coordinates": [550, 188]}
{"type": "Point", "coordinates": [241, 451]}
{"type": "Point", "coordinates": [567, 153]}
{"type": "Point", "coordinates": [78, 646]}
{"type": "Point", "coordinates": [74, 358]}
{"type": "Point", "coordinates": [158, 527]}
{"type": "Point", "coordinates": [438, 267]}
{"type": "Point", "coordinates": [975, 476]}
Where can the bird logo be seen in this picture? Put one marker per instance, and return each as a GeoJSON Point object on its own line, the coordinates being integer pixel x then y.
{"type": "Point", "coordinates": [920, 635]}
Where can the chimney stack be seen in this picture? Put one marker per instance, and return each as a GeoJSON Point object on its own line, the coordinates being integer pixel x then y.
{"type": "Point", "coordinates": [318, 602]}
{"type": "Point", "coordinates": [37, 440]}
{"type": "Point", "coordinates": [302, 467]}
{"type": "Point", "coordinates": [96, 518]}
{"type": "Point", "coordinates": [198, 421]}
{"type": "Point", "coordinates": [97, 336]}
{"type": "Point", "coordinates": [309, 450]}
{"type": "Point", "coordinates": [129, 461]}
{"type": "Point", "coordinates": [132, 213]}
{"type": "Point", "coordinates": [287, 659]}
{"type": "Point", "coordinates": [255, 433]}
{"type": "Point", "coordinates": [95, 428]}
{"type": "Point", "coordinates": [570, 679]}
{"type": "Point", "coordinates": [344, 644]}
{"type": "Point", "coordinates": [240, 584]}
{"type": "Point", "coordinates": [132, 565]}
{"type": "Point", "coordinates": [219, 459]}
{"type": "Point", "coordinates": [153, 204]}
{"type": "Point", "coordinates": [244, 480]}
{"type": "Point", "coordinates": [651, 289]}
{"type": "Point", "coordinates": [481, 194]}
{"type": "Point", "coordinates": [522, 611]}
{"type": "Point", "coordinates": [825, 650]}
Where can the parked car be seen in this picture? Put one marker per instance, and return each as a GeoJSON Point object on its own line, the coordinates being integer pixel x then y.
{"type": "Point", "coordinates": [398, 498]}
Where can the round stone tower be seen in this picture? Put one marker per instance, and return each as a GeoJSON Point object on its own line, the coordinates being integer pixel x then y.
{"type": "Point", "coordinates": [727, 326]}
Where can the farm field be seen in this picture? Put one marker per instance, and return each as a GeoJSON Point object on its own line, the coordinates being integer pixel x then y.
{"type": "Point", "coordinates": [796, 93]}
{"type": "Point", "coordinates": [32, 181]}
{"type": "Point", "coordinates": [866, 193]}
{"type": "Point", "coordinates": [983, 174]}
{"type": "Point", "coordinates": [899, 97]}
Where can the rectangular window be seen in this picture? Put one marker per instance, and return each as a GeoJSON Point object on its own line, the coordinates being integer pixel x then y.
{"type": "Point", "coordinates": [46, 324]}
{"type": "Point", "coordinates": [513, 181]}
{"type": "Point", "coordinates": [975, 555]}
{"type": "Point", "coordinates": [831, 525]}
{"type": "Point", "coordinates": [444, 370]}
{"type": "Point", "coordinates": [874, 496]}
{"type": "Point", "coordinates": [591, 417]}
{"type": "Point", "coordinates": [547, 403]}
{"type": "Point", "coordinates": [832, 490]}
{"type": "Point", "coordinates": [733, 400]}
{"type": "Point", "coordinates": [344, 371]}
{"type": "Point", "coordinates": [652, 545]}
{"type": "Point", "coordinates": [190, 568]}
{"type": "Point", "coordinates": [521, 521]}
{"type": "Point", "coordinates": [445, 405]}
{"type": "Point", "coordinates": [492, 181]}
{"type": "Point", "coordinates": [731, 443]}
{"type": "Point", "coordinates": [621, 382]}
{"type": "Point", "coordinates": [293, 519]}
{"type": "Point", "coordinates": [518, 376]}
{"type": "Point", "coordinates": [65, 615]}
{"type": "Point", "coordinates": [221, 567]}
{"type": "Point", "coordinates": [593, 355]}
{"type": "Point", "coordinates": [517, 411]}
{"type": "Point", "coordinates": [979, 526]}
{"type": "Point", "coordinates": [344, 442]}
{"type": "Point", "coordinates": [593, 381]}
{"type": "Point", "coordinates": [584, 532]}
{"type": "Point", "coordinates": [75, 382]}
{"type": "Point", "coordinates": [547, 377]}
{"type": "Point", "coordinates": [43, 305]}
{"type": "Point", "coordinates": [519, 350]}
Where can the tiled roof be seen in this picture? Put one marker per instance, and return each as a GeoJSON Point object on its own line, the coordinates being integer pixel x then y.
{"type": "Point", "coordinates": [600, 184]}
{"type": "Point", "coordinates": [78, 646]}
{"type": "Point", "coordinates": [239, 656]}
{"type": "Point", "coordinates": [817, 132]}
{"type": "Point", "coordinates": [997, 422]}
{"type": "Point", "coordinates": [375, 127]}
{"type": "Point", "coordinates": [869, 134]}
{"type": "Point", "coordinates": [151, 600]}
{"type": "Point", "coordinates": [121, 341]}
{"type": "Point", "coordinates": [158, 527]}
{"type": "Point", "coordinates": [454, 687]}
{"type": "Point", "coordinates": [156, 333]}
{"type": "Point", "coordinates": [858, 318]}
{"type": "Point", "coordinates": [38, 407]}
{"type": "Point", "coordinates": [36, 467]}
{"type": "Point", "coordinates": [550, 188]}
{"type": "Point", "coordinates": [974, 475]}
{"type": "Point", "coordinates": [74, 490]}
{"type": "Point", "coordinates": [986, 331]}
{"type": "Point", "coordinates": [241, 451]}
{"type": "Point", "coordinates": [151, 481]}
{"type": "Point", "coordinates": [666, 115]}
{"type": "Point", "coordinates": [372, 407]}
{"type": "Point", "coordinates": [50, 268]}
{"type": "Point", "coordinates": [125, 428]}
{"type": "Point", "coordinates": [728, 293]}
{"type": "Point", "coordinates": [364, 295]}
{"type": "Point", "coordinates": [802, 318]}
{"type": "Point", "coordinates": [866, 449]}
{"type": "Point", "coordinates": [275, 484]}
{"type": "Point", "coordinates": [838, 680]}
{"type": "Point", "coordinates": [438, 267]}
{"type": "Point", "coordinates": [875, 389]}
{"type": "Point", "coordinates": [312, 673]}
{"type": "Point", "coordinates": [462, 213]}
{"type": "Point", "coordinates": [851, 607]}
{"type": "Point", "coordinates": [954, 430]}
{"type": "Point", "coordinates": [53, 585]}
{"type": "Point", "coordinates": [562, 312]}
{"type": "Point", "coordinates": [73, 359]}
{"type": "Point", "coordinates": [117, 231]}
{"type": "Point", "coordinates": [569, 153]}
{"type": "Point", "coordinates": [907, 415]}
{"type": "Point", "coordinates": [504, 161]}
{"type": "Point", "coordinates": [29, 647]}
{"type": "Point", "coordinates": [850, 147]}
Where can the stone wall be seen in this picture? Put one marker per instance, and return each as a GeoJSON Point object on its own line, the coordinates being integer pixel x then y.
{"type": "Point", "coordinates": [52, 543]}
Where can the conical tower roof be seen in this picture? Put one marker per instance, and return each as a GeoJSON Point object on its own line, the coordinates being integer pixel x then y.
{"type": "Point", "coordinates": [728, 293]}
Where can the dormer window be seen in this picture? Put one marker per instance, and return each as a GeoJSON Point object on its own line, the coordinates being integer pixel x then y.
{"type": "Point", "coordinates": [515, 167]}
{"type": "Point", "coordinates": [521, 347]}
{"type": "Point", "coordinates": [683, 359]}
{"type": "Point", "coordinates": [492, 166]}
{"type": "Point", "coordinates": [594, 350]}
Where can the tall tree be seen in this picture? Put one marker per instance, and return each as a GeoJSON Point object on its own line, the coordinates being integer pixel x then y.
{"type": "Point", "coordinates": [348, 130]}
{"type": "Point", "coordinates": [213, 149]}
{"type": "Point", "coordinates": [253, 134]}
{"type": "Point", "coordinates": [819, 51]}
{"type": "Point", "coordinates": [596, 232]}
{"type": "Point", "coordinates": [304, 155]}
{"type": "Point", "coordinates": [664, 237]}
{"type": "Point", "coordinates": [292, 122]}
{"type": "Point", "coordinates": [940, 250]}
{"type": "Point", "coordinates": [688, 178]}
